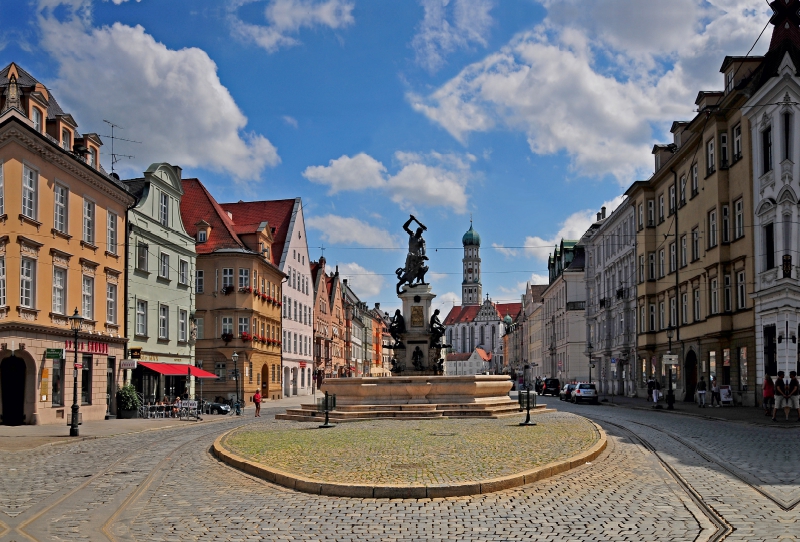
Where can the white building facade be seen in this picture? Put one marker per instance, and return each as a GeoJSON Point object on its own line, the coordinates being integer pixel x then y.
{"type": "Point", "coordinates": [610, 274]}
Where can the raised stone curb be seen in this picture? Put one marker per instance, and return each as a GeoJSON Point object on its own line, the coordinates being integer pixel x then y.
{"type": "Point", "coordinates": [463, 489]}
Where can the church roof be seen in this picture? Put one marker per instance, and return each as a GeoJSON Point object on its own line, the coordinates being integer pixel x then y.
{"type": "Point", "coordinates": [471, 238]}
{"type": "Point", "coordinates": [462, 314]}
{"type": "Point", "coordinates": [510, 309]}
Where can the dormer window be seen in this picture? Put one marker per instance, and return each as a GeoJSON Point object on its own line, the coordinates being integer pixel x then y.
{"type": "Point", "coordinates": [91, 158]}
{"type": "Point", "coordinates": [66, 140]}
{"type": "Point", "coordinates": [658, 162]}
{"type": "Point", "coordinates": [163, 209]}
{"type": "Point", "coordinates": [36, 117]}
{"type": "Point", "coordinates": [201, 236]}
{"type": "Point", "coordinates": [729, 81]}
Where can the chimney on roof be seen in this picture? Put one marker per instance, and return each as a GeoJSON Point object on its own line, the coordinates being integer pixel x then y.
{"type": "Point", "coordinates": [322, 263]}
{"type": "Point", "coordinates": [337, 271]}
{"type": "Point", "coordinates": [344, 281]}
{"type": "Point", "coordinates": [603, 210]}
{"type": "Point", "coordinates": [598, 217]}
{"type": "Point", "coordinates": [377, 306]}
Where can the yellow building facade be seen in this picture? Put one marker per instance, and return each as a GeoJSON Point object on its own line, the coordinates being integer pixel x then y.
{"type": "Point", "coordinates": [62, 236]}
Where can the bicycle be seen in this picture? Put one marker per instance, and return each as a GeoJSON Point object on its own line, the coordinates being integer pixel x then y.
{"type": "Point", "coordinates": [236, 408]}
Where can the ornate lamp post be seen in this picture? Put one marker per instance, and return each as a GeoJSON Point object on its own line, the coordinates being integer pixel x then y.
{"type": "Point", "coordinates": [75, 322]}
{"type": "Point", "coordinates": [235, 358]}
{"type": "Point", "coordinates": [670, 393]}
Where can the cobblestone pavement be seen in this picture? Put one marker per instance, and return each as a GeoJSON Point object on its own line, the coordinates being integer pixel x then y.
{"type": "Point", "coordinates": [416, 451]}
{"type": "Point", "coordinates": [661, 478]}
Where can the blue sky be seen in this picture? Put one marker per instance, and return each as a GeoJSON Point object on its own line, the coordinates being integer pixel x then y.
{"type": "Point", "coordinates": [527, 115]}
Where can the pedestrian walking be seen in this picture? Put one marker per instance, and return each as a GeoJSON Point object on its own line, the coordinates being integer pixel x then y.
{"type": "Point", "coordinates": [656, 390]}
{"type": "Point", "coordinates": [794, 393]}
{"type": "Point", "coordinates": [701, 389]}
{"type": "Point", "coordinates": [781, 397]}
{"type": "Point", "coordinates": [650, 385]}
{"type": "Point", "coordinates": [715, 393]}
{"type": "Point", "coordinates": [768, 392]}
{"type": "Point", "coordinates": [257, 401]}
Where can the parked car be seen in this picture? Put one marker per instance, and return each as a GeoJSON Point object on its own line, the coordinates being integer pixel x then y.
{"type": "Point", "coordinates": [566, 392]}
{"type": "Point", "coordinates": [584, 392]}
{"type": "Point", "coordinates": [216, 408]}
{"type": "Point", "coordinates": [551, 387]}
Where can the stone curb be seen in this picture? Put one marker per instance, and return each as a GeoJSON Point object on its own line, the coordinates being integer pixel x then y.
{"type": "Point", "coordinates": [331, 489]}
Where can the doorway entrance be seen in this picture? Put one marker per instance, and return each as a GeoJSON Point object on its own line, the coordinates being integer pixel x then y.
{"type": "Point", "coordinates": [12, 377]}
{"type": "Point", "coordinates": [110, 386]}
{"type": "Point", "coordinates": [690, 372]}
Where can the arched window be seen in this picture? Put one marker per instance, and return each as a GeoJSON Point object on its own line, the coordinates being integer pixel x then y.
{"type": "Point", "coordinates": [494, 331]}
{"type": "Point", "coordinates": [463, 340]}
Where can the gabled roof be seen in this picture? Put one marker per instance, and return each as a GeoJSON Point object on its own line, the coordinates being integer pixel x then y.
{"type": "Point", "coordinates": [462, 314]}
{"type": "Point", "coordinates": [248, 215]}
{"type": "Point", "coordinates": [458, 356]}
{"type": "Point", "coordinates": [537, 291]}
{"type": "Point", "coordinates": [24, 79]}
{"type": "Point", "coordinates": [511, 309]}
{"type": "Point", "coordinates": [198, 204]}
{"type": "Point", "coordinates": [485, 356]}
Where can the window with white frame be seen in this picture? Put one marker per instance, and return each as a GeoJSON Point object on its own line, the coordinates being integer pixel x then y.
{"type": "Point", "coordinates": [87, 297]}
{"type": "Point", "coordinates": [727, 293]}
{"type": "Point", "coordinates": [200, 324]}
{"type": "Point", "coordinates": [88, 221]}
{"type": "Point", "coordinates": [695, 180]}
{"type": "Point", "coordinates": [737, 142]}
{"type": "Point", "coordinates": [36, 113]}
{"type": "Point", "coordinates": [710, 164]}
{"type": "Point", "coordinates": [244, 325]}
{"type": "Point", "coordinates": [738, 218]}
{"type": "Point", "coordinates": [729, 81]}
{"type": "Point", "coordinates": [697, 315]}
{"type": "Point", "coordinates": [111, 303]}
{"type": "Point", "coordinates": [673, 311]}
{"type": "Point", "coordinates": [684, 308]}
{"type": "Point", "coordinates": [723, 150]}
{"type": "Point", "coordinates": [30, 183]}
{"type": "Point", "coordinates": [695, 244]}
{"type": "Point", "coordinates": [60, 198]}
{"type": "Point", "coordinates": [684, 251]}
{"type": "Point", "coordinates": [3, 300]}
{"type": "Point", "coordinates": [201, 236]}
{"type": "Point", "coordinates": [726, 223]}
{"type": "Point", "coordinates": [199, 281]}
{"type": "Point", "coordinates": [641, 268]}
{"type": "Point", "coordinates": [142, 251]}
{"type": "Point", "coordinates": [672, 200]}
{"type": "Point", "coordinates": [673, 258]}
{"type": "Point", "coordinates": [641, 215]}
{"type": "Point", "coordinates": [661, 208]}
{"type": "Point", "coordinates": [163, 322]}
{"type": "Point", "coordinates": [92, 159]}
{"type": "Point", "coordinates": [661, 263]}
{"type": "Point", "coordinates": [183, 323]}
{"type": "Point", "coordinates": [741, 291]}
{"type": "Point", "coordinates": [244, 278]}
{"type": "Point", "coordinates": [111, 235]}
{"type": "Point", "coordinates": [66, 140]}
{"type": "Point", "coordinates": [59, 290]}
{"type": "Point", "coordinates": [27, 283]}
{"type": "Point", "coordinates": [163, 209]}
{"type": "Point", "coordinates": [652, 316]}
{"type": "Point", "coordinates": [227, 325]}
{"type": "Point", "coordinates": [141, 318]}
{"type": "Point", "coordinates": [651, 213]}
{"type": "Point", "coordinates": [227, 277]}
{"type": "Point", "coordinates": [714, 299]}
{"type": "Point", "coordinates": [642, 320]}
{"type": "Point", "coordinates": [163, 265]}
{"type": "Point", "coordinates": [661, 316]}
{"type": "Point", "coordinates": [183, 272]}
{"type": "Point", "coordinates": [766, 150]}
{"type": "Point", "coordinates": [652, 264]}
{"type": "Point", "coordinates": [683, 190]}
{"type": "Point", "coordinates": [712, 228]}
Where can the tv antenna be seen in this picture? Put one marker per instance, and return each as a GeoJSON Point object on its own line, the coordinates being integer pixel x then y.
{"type": "Point", "coordinates": [116, 157]}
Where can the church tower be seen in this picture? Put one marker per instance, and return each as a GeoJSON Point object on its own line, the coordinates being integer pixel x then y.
{"type": "Point", "coordinates": [471, 289]}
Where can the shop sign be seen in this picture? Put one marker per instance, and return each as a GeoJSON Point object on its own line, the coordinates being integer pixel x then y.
{"type": "Point", "coordinates": [613, 361]}
{"type": "Point", "coordinates": [79, 366]}
{"type": "Point", "coordinates": [669, 359]}
{"type": "Point", "coordinates": [128, 364]}
{"type": "Point", "coordinates": [54, 353]}
{"type": "Point", "coordinates": [93, 347]}
{"type": "Point", "coordinates": [135, 353]}
{"type": "Point", "coordinates": [302, 364]}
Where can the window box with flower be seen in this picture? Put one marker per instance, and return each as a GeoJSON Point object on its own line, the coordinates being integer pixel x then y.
{"type": "Point", "coordinates": [227, 290]}
{"type": "Point", "coordinates": [245, 336]}
{"type": "Point", "coordinates": [227, 337]}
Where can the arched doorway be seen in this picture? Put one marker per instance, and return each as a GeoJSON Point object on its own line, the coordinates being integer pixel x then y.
{"type": "Point", "coordinates": [265, 382]}
{"type": "Point", "coordinates": [12, 377]}
{"type": "Point", "coordinates": [690, 375]}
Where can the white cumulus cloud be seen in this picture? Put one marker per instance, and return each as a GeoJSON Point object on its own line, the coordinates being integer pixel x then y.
{"type": "Point", "coordinates": [431, 179]}
{"type": "Point", "coordinates": [594, 82]}
{"type": "Point", "coordinates": [507, 252]}
{"type": "Point", "coordinates": [572, 228]}
{"type": "Point", "coordinates": [285, 18]}
{"type": "Point", "coordinates": [445, 302]}
{"type": "Point", "coordinates": [363, 282]}
{"type": "Point", "coordinates": [171, 100]}
{"type": "Point", "coordinates": [447, 27]}
{"type": "Point", "coordinates": [347, 230]}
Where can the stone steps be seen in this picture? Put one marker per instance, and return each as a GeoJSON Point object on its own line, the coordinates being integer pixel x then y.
{"type": "Point", "coordinates": [308, 413]}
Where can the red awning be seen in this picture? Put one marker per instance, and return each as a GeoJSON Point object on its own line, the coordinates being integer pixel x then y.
{"type": "Point", "coordinates": [176, 369]}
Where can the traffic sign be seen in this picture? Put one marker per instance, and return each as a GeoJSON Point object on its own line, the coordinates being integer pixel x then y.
{"type": "Point", "coordinates": [669, 359]}
{"type": "Point", "coordinates": [54, 353]}
{"type": "Point", "coordinates": [79, 365]}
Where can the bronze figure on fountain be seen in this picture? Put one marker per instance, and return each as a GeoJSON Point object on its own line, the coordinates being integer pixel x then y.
{"type": "Point", "coordinates": [414, 272]}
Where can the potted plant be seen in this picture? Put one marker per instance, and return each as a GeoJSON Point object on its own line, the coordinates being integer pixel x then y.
{"type": "Point", "coordinates": [227, 337]}
{"type": "Point", "coordinates": [227, 290]}
{"type": "Point", "coordinates": [127, 402]}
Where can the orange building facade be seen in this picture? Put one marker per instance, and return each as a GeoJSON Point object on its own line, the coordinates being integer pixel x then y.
{"type": "Point", "coordinates": [62, 235]}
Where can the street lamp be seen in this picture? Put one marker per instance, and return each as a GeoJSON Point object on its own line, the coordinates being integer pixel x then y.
{"type": "Point", "coordinates": [670, 393]}
{"type": "Point", "coordinates": [590, 350]}
{"type": "Point", "coordinates": [234, 359]}
{"type": "Point", "coordinates": [75, 322]}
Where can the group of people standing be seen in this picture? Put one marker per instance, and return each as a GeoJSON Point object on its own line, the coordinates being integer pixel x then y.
{"type": "Point", "coordinates": [781, 394]}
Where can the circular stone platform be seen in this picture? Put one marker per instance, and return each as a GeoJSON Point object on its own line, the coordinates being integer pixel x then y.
{"type": "Point", "coordinates": [412, 459]}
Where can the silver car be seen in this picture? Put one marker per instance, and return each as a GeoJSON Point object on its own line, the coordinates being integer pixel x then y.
{"type": "Point", "coordinates": [584, 392]}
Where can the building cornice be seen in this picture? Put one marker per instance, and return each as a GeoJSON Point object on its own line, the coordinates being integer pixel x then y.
{"type": "Point", "coordinates": [14, 130]}
{"type": "Point", "coordinates": [66, 333]}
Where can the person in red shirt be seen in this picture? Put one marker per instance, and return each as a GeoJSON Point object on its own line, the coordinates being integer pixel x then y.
{"type": "Point", "coordinates": [769, 394]}
{"type": "Point", "coordinates": [257, 401]}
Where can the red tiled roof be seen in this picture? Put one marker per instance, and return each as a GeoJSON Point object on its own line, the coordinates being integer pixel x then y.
{"type": "Point", "coordinates": [458, 357]}
{"type": "Point", "coordinates": [512, 309]}
{"type": "Point", "coordinates": [485, 356]}
{"type": "Point", "coordinates": [247, 215]}
{"type": "Point", "coordinates": [198, 204]}
{"type": "Point", "coordinates": [462, 314]}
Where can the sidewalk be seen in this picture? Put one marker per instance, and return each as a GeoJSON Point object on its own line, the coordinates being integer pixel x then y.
{"type": "Point", "coordinates": [25, 437]}
{"type": "Point", "coordinates": [744, 414]}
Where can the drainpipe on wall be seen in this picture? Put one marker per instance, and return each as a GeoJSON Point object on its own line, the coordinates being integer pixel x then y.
{"type": "Point", "coordinates": [128, 231]}
{"type": "Point", "coordinates": [285, 279]}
